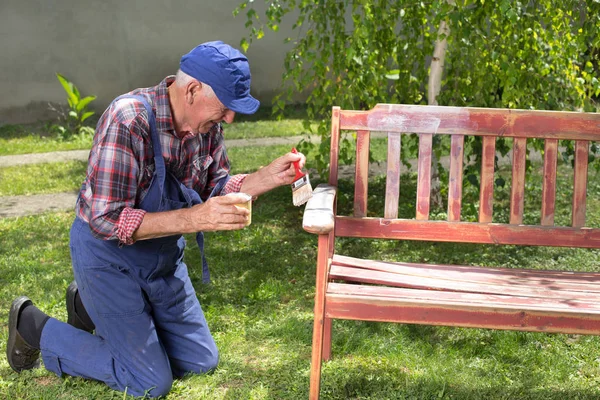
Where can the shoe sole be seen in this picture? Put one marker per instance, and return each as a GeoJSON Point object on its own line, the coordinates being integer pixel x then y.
{"type": "Point", "coordinates": [13, 320]}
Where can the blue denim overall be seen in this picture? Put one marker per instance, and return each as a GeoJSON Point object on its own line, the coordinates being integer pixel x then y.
{"type": "Point", "coordinates": [149, 324]}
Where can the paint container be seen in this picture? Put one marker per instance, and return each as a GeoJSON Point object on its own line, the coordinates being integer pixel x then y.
{"type": "Point", "coordinates": [247, 205]}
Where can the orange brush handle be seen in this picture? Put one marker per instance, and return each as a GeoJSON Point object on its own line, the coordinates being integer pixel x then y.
{"type": "Point", "coordinates": [299, 173]}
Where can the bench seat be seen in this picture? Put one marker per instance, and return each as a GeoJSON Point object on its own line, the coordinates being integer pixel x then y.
{"type": "Point", "coordinates": [498, 298]}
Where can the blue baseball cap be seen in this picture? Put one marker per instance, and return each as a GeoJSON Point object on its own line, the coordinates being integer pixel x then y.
{"type": "Point", "coordinates": [226, 70]}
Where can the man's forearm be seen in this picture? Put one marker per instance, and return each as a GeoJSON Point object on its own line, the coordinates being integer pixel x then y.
{"type": "Point", "coordinates": [166, 223]}
{"type": "Point", "coordinates": [258, 183]}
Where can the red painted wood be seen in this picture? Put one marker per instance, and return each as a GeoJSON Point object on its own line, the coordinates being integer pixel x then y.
{"type": "Point", "coordinates": [467, 232]}
{"type": "Point", "coordinates": [361, 185]}
{"type": "Point", "coordinates": [392, 185]}
{"type": "Point", "coordinates": [326, 354]}
{"type": "Point", "coordinates": [580, 183]}
{"type": "Point", "coordinates": [319, 314]}
{"type": "Point", "coordinates": [470, 284]}
{"type": "Point", "coordinates": [549, 182]}
{"type": "Point", "coordinates": [415, 311]}
{"type": "Point", "coordinates": [486, 193]}
{"type": "Point", "coordinates": [424, 176]}
{"type": "Point", "coordinates": [474, 121]}
{"type": "Point", "coordinates": [567, 280]}
{"type": "Point", "coordinates": [445, 298]}
{"type": "Point", "coordinates": [335, 146]}
{"type": "Point", "coordinates": [517, 192]}
{"type": "Point", "coordinates": [455, 178]}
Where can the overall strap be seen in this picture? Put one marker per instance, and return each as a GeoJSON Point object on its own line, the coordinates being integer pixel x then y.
{"type": "Point", "coordinates": [199, 235]}
{"type": "Point", "coordinates": [159, 161]}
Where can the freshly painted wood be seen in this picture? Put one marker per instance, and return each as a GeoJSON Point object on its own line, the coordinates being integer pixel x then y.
{"type": "Point", "coordinates": [319, 315]}
{"type": "Point", "coordinates": [449, 298]}
{"type": "Point", "coordinates": [571, 280]}
{"type": "Point", "coordinates": [361, 185]}
{"type": "Point", "coordinates": [486, 193]}
{"type": "Point", "coordinates": [517, 189]}
{"type": "Point", "coordinates": [549, 182]}
{"type": "Point", "coordinates": [580, 183]}
{"type": "Point", "coordinates": [474, 121]}
{"type": "Point", "coordinates": [335, 146]}
{"type": "Point", "coordinates": [491, 316]}
{"type": "Point", "coordinates": [392, 185]}
{"type": "Point", "coordinates": [554, 280]}
{"type": "Point", "coordinates": [470, 284]}
{"type": "Point", "coordinates": [424, 176]}
{"type": "Point", "coordinates": [467, 232]}
{"type": "Point", "coordinates": [455, 177]}
{"type": "Point", "coordinates": [318, 215]}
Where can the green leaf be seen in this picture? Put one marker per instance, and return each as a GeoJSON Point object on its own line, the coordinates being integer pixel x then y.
{"type": "Point", "coordinates": [83, 103]}
{"type": "Point", "coordinates": [69, 89]}
{"type": "Point", "coordinates": [244, 44]}
{"type": "Point", "coordinates": [86, 115]}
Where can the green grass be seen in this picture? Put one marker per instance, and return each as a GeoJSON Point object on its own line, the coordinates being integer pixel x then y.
{"type": "Point", "coordinates": [37, 138]}
{"type": "Point", "coordinates": [259, 308]}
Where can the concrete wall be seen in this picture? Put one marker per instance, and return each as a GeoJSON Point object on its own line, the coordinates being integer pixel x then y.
{"type": "Point", "coordinates": [109, 47]}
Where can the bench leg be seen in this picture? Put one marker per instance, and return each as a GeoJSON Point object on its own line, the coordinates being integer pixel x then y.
{"type": "Point", "coordinates": [317, 352]}
{"type": "Point", "coordinates": [326, 356]}
{"type": "Point", "coordinates": [320, 321]}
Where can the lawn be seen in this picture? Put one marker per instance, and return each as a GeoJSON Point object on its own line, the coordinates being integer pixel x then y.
{"type": "Point", "coordinates": [259, 306]}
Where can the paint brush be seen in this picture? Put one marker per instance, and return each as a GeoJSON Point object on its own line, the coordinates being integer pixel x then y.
{"type": "Point", "coordinates": [301, 189]}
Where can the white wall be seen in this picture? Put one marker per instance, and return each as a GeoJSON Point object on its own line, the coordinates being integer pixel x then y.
{"type": "Point", "coordinates": [109, 47]}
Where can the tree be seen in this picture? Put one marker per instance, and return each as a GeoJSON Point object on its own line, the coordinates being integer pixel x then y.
{"type": "Point", "coordinates": [538, 54]}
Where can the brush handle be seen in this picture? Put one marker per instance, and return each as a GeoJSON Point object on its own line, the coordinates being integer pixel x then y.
{"type": "Point", "coordinates": [299, 173]}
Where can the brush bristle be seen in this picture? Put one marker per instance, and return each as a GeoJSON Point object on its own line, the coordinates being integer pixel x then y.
{"type": "Point", "coordinates": [301, 191]}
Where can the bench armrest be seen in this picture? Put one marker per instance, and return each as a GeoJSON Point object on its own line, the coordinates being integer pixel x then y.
{"type": "Point", "coordinates": [318, 214]}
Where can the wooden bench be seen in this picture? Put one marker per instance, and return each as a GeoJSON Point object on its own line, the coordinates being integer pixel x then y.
{"type": "Point", "coordinates": [453, 295]}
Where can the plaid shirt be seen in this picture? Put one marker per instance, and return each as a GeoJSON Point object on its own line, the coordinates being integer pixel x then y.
{"type": "Point", "coordinates": [121, 163]}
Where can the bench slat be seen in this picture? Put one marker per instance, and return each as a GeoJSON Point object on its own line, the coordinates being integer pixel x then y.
{"type": "Point", "coordinates": [553, 280]}
{"type": "Point", "coordinates": [467, 315]}
{"type": "Point", "coordinates": [467, 232]}
{"type": "Point", "coordinates": [392, 186]}
{"type": "Point", "coordinates": [457, 298]}
{"type": "Point", "coordinates": [456, 176]}
{"type": "Point", "coordinates": [473, 121]}
{"type": "Point", "coordinates": [486, 194]}
{"type": "Point", "coordinates": [580, 183]}
{"type": "Point", "coordinates": [424, 176]}
{"type": "Point", "coordinates": [361, 185]}
{"type": "Point", "coordinates": [572, 279]}
{"type": "Point", "coordinates": [517, 191]}
{"type": "Point", "coordinates": [335, 145]}
{"type": "Point", "coordinates": [427, 282]}
{"type": "Point", "coordinates": [549, 182]}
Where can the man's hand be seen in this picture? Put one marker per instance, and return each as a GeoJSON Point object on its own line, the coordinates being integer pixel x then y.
{"type": "Point", "coordinates": [217, 214]}
{"type": "Point", "coordinates": [220, 213]}
{"type": "Point", "coordinates": [278, 173]}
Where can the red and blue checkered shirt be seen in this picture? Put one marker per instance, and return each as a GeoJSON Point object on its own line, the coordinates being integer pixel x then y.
{"type": "Point", "coordinates": [121, 163]}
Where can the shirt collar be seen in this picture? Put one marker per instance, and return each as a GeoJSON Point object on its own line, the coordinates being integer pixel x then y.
{"type": "Point", "coordinates": [164, 117]}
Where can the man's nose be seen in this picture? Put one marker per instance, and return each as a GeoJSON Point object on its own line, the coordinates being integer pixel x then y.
{"type": "Point", "coordinates": [229, 116]}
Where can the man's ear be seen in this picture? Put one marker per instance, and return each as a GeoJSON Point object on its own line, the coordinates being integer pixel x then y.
{"type": "Point", "coordinates": [192, 89]}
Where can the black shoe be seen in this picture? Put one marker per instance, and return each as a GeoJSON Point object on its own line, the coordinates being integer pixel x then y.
{"type": "Point", "coordinates": [74, 318]}
{"type": "Point", "coordinates": [20, 354]}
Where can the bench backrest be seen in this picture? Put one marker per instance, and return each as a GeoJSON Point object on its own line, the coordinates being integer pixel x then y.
{"type": "Point", "coordinates": [426, 121]}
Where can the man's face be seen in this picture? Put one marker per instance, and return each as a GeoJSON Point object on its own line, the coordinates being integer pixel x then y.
{"type": "Point", "coordinates": [205, 110]}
